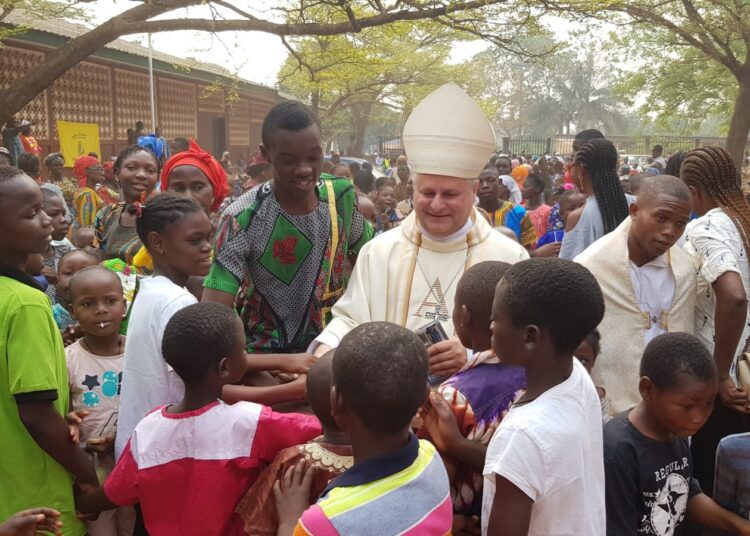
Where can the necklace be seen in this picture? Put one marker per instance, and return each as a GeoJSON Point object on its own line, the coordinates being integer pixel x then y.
{"type": "Point", "coordinates": [438, 314]}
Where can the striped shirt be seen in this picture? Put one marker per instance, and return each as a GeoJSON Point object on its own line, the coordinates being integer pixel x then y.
{"type": "Point", "coordinates": [401, 492]}
{"type": "Point", "coordinates": [732, 480]}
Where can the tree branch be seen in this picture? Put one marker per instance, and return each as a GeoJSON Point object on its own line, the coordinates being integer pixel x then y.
{"type": "Point", "coordinates": [306, 28]}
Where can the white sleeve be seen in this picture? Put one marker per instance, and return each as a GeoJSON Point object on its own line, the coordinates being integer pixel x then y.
{"type": "Point", "coordinates": [513, 455]}
{"type": "Point", "coordinates": [716, 255]}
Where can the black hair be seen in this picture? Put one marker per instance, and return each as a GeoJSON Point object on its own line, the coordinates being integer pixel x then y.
{"type": "Point", "coordinates": [380, 370]}
{"type": "Point", "coordinates": [636, 180]}
{"type": "Point", "coordinates": [586, 135]}
{"type": "Point", "coordinates": [508, 158]}
{"type": "Point", "coordinates": [654, 185]}
{"type": "Point", "coordinates": [536, 181]}
{"type": "Point", "coordinates": [657, 147]}
{"type": "Point", "coordinates": [9, 172]}
{"type": "Point", "coordinates": [29, 164]}
{"type": "Point", "coordinates": [593, 339]}
{"type": "Point", "coordinates": [287, 115]}
{"type": "Point", "coordinates": [675, 163]}
{"type": "Point", "coordinates": [161, 211]}
{"type": "Point", "coordinates": [671, 355]}
{"type": "Point", "coordinates": [52, 157]}
{"type": "Point", "coordinates": [490, 171]}
{"type": "Point", "coordinates": [319, 381]}
{"type": "Point", "coordinates": [127, 152]}
{"type": "Point", "coordinates": [599, 157]}
{"type": "Point", "coordinates": [712, 170]}
{"type": "Point", "coordinates": [74, 251]}
{"type": "Point", "coordinates": [476, 288]}
{"type": "Point", "coordinates": [197, 337]}
{"type": "Point", "coordinates": [567, 194]}
{"type": "Point", "coordinates": [535, 291]}
{"type": "Point", "coordinates": [81, 274]}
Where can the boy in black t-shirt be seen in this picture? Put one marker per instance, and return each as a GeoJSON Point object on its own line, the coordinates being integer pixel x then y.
{"type": "Point", "coordinates": [649, 472]}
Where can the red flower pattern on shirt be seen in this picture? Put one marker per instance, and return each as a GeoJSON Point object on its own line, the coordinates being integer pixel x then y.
{"type": "Point", "coordinates": [283, 250]}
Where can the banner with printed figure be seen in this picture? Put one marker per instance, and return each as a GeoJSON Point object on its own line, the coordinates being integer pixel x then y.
{"type": "Point", "coordinates": [77, 139]}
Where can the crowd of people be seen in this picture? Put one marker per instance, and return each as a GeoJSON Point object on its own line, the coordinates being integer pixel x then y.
{"type": "Point", "coordinates": [473, 343]}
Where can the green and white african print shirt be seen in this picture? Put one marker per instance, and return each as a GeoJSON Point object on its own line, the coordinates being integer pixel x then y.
{"type": "Point", "coordinates": [287, 271]}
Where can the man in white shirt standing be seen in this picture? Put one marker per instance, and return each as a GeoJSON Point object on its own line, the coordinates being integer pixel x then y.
{"type": "Point", "coordinates": [719, 241]}
{"type": "Point", "coordinates": [648, 284]}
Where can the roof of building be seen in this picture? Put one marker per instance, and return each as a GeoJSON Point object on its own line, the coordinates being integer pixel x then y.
{"type": "Point", "coordinates": [71, 30]}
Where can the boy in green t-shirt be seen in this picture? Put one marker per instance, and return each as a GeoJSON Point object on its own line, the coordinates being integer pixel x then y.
{"type": "Point", "coordinates": [38, 461]}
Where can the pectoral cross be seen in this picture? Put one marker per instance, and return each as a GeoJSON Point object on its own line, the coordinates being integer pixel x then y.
{"type": "Point", "coordinates": [436, 314]}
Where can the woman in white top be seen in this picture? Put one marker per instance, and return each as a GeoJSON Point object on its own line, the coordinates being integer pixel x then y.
{"type": "Point", "coordinates": [719, 241]}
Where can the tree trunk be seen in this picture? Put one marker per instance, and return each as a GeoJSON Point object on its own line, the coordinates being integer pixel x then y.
{"type": "Point", "coordinates": [739, 127]}
{"type": "Point", "coordinates": [361, 114]}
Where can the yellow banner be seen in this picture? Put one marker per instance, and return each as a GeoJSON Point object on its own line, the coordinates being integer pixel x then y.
{"type": "Point", "coordinates": [77, 139]}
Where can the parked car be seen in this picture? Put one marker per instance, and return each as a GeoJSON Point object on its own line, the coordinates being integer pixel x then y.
{"type": "Point", "coordinates": [354, 160]}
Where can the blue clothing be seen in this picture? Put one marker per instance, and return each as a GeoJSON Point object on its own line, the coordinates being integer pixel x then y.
{"type": "Point", "coordinates": [62, 316]}
{"type": "Point", "coordinates": [550, 238]}
{"type": "Point", "coordinates": [732, 480]}
{"type": "Point", "coordinates": [514, 218]}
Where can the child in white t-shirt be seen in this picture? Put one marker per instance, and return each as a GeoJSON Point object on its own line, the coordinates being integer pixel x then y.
{"type": "Point", "coordinates": [176, 231]}
{"type": "Point", "coordinates": [94, 373]}
{"type": "Point", "coordinates": [544, 471]}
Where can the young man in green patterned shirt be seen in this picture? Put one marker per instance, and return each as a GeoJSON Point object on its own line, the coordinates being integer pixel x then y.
{"type": "Point", "coordinates": [281, 247]}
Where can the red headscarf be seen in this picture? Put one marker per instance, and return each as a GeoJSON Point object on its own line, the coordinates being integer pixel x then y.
{"type": "Point", "coordinates": [211, 168]}
{"type": "Point", "coordinates": [80, 166]}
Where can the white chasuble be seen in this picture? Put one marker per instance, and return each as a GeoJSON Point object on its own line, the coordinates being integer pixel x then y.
{"type": "Point", "coordinates": [404, 277]}
{"type": "Point", "coordinates": [625, 324]}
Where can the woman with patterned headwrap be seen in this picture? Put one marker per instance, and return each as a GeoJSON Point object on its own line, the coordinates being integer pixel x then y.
{"type": "Point", "coordinates": [86, 202]}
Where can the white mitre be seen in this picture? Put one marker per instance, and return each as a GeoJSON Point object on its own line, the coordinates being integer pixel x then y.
{"type": "Point", "coordinates": [448, 134]}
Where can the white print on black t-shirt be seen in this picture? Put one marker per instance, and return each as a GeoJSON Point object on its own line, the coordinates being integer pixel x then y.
{"type": "Point", "coordinates": [666, 508]}
{"type": "Point", "coordinates": [670, 468]}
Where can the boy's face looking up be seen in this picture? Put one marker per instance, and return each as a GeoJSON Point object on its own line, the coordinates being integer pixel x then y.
{"type": "Point", "coordinates": [25, 228]}
{"type": "Point", "coordinates": [296, 158]}
{"type": "Point", "coordinates": [658, 222]}
{"type": "Point", "coordinates": [681, 410]}
{"type": "Point", "coordinates": [97, 303]}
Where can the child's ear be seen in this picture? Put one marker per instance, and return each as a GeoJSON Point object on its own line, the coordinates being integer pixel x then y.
{"type": "Point", "coordinates": [223, 368]}
{"type": "Point", "coordinates": [646, 388]}
{"type": "Point", "coordinates": [465, 316]}
{"type": "Point", "coordinates": [156, 243]}
{"type": "Point", "coordinates": [338, 407]}
{"type": "Point", "coordinates": [532, 336]}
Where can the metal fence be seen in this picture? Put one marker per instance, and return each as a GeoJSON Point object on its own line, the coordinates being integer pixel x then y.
{"type": "Point", "coordinates": [562, 144]}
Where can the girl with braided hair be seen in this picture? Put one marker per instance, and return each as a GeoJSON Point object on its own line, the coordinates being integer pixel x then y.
{"type": "Point", "coordinates": [719, 240]}
{"type": "Point", "coordinates": [595, 174]}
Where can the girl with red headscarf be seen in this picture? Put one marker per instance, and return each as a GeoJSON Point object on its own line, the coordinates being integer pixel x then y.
{"type": "Point", "coordinates": [86, 202]}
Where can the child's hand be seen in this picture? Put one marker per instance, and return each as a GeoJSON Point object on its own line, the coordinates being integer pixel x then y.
{"type": "Point", "coordinates": [101, 445]}
{"type": "Point", "coordinates": [441, 423]}
{"type": "Point", "coordinates": [74, 420]}
{"type": "Point", "coordinates": [71, 334]}
{"type": "Point", "coordinates": [29, 522]}
{"type": "Point", "coordinates": [50, 274]}
{"type": "Point", "coordinates": [297, 363]}
{"type": "Point", "coordinates": [292, 494]}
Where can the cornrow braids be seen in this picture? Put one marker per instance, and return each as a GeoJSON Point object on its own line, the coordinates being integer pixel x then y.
{"type": "Point", "coordinates": [161, 211]}
{"type": "Point", "coordinates": [599, 157]}
{"type": "Point", "coordinates": [129, 151]}
{"type": "Point", "coordinates": [713, 170]}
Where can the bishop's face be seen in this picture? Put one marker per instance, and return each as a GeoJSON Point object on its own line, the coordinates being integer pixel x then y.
{"type": "Point", "coordinates": [443, 204]}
